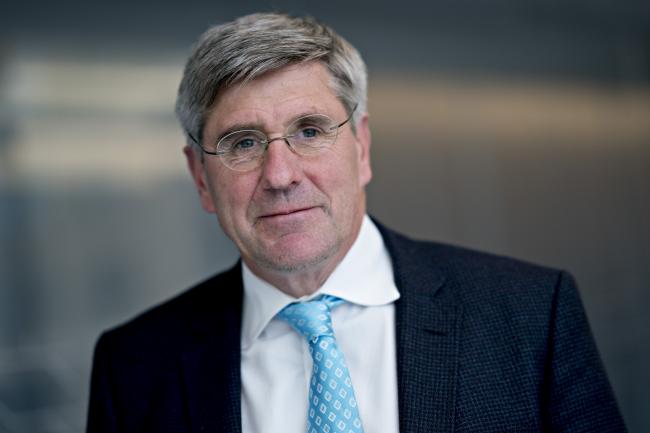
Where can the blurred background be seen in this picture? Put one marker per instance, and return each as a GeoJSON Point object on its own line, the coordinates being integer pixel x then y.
{"type": "Point", "coordinates": [520, 127]}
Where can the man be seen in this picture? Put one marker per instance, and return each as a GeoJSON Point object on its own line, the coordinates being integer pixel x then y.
{"type": "Point", "coordinates": [330, 321]}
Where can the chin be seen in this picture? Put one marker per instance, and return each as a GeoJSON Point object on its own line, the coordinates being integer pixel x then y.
{"type": "Point", "coordinates": [296, 259]}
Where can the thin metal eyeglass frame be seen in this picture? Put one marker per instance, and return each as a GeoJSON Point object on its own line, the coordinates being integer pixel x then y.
{"type": "Point", "coordinates": [267, 142]}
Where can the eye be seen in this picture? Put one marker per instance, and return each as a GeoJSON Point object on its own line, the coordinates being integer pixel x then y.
{"type": "Point", "coordinates": [244, 144]}
{"type": "Point", "coordinates": [240, 142]}
{"type": "Point", "coordinates": [309, 132]}
{"type": "Point", "coordinates": [311, 128]}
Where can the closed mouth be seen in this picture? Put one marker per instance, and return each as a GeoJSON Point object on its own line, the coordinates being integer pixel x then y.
{"type": "Point", "coordinates": [287, 212]}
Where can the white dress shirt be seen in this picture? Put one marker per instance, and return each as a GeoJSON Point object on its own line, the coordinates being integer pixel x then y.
{"type": "Point", "coordinates": [275, 362]}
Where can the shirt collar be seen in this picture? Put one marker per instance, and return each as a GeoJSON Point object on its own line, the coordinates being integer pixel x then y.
{"type": "Point", "coordinates": [364, 277]}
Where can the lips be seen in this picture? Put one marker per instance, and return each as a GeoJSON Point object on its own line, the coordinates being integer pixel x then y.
{"type": "Point", "coordinates": [286, 212]}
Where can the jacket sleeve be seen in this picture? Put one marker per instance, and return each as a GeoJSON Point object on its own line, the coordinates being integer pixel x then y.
{"type": "Point", "coordinates": [579, 396]}
{"type": "Point", "coordinates": [101, 412]}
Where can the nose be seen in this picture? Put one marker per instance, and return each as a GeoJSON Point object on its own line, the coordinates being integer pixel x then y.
{"type": "Point", "coordinates": [282, 167]}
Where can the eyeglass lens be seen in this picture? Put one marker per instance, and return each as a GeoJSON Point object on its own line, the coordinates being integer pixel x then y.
{"type": "Point", "coordinates": [244, 150]}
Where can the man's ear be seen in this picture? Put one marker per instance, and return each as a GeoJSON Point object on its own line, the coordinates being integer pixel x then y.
{"type": "Point", "coordinates": [195, 163]}
{"type": "Point", "coordinates": [363, 141]}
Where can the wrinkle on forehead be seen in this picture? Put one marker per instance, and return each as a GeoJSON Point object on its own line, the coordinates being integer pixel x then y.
{"type": "Point", "coordinates": [275, 99]}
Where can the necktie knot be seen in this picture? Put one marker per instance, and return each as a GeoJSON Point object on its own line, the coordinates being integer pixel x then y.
{"type": "Point", "coordinates": [312, 319]}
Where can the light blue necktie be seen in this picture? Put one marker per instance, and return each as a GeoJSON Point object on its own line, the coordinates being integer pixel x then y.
{"type": "Point", "coordinates": [332, 404]}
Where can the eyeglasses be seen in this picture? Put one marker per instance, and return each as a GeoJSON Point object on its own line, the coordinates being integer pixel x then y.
{"type": "Point", "coordinates": [244, 150]}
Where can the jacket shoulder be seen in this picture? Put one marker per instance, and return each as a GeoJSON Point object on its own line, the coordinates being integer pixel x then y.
{"type": "Point", "coordinates": [207, 302]}
{"type": "Point", "coordinates": [469, 269]}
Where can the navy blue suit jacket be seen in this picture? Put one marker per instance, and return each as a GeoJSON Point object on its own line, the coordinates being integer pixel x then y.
{"type": "Point", "coordinates": [484, 344]}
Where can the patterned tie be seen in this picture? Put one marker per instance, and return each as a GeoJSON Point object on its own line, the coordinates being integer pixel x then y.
{"type": "Point", "coordinates": [332, 405]}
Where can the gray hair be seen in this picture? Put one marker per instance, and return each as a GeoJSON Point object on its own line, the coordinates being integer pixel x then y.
{"type": "Point", "coordinates": [250, 46]}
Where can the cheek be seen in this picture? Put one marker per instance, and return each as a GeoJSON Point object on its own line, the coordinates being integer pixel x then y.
{"type": "Point", "coordinates": [232, 195]}
{"type": "Point", "coordinates": [339, 177]}
{"type": "Point", "coordinates": [349, 167]}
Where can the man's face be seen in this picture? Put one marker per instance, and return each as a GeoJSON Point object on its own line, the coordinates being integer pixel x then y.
{"type": "Point", "coordinates": [293, 212]}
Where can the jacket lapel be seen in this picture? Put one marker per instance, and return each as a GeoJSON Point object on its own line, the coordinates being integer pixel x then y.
{"type": "Point", "coordinates": [427, 320]}
{"type": "Point", "coordinates": [210, 365]}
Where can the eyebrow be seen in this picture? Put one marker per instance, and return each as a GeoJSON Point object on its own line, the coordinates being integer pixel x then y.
{"type": "Point", "coordinates": [247, 126]}
{"type": "Point", "coordinates": [239, 127]}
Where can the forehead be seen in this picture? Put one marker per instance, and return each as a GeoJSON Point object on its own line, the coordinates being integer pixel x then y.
{"type": "Point", "coordinates": [277, 96]}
